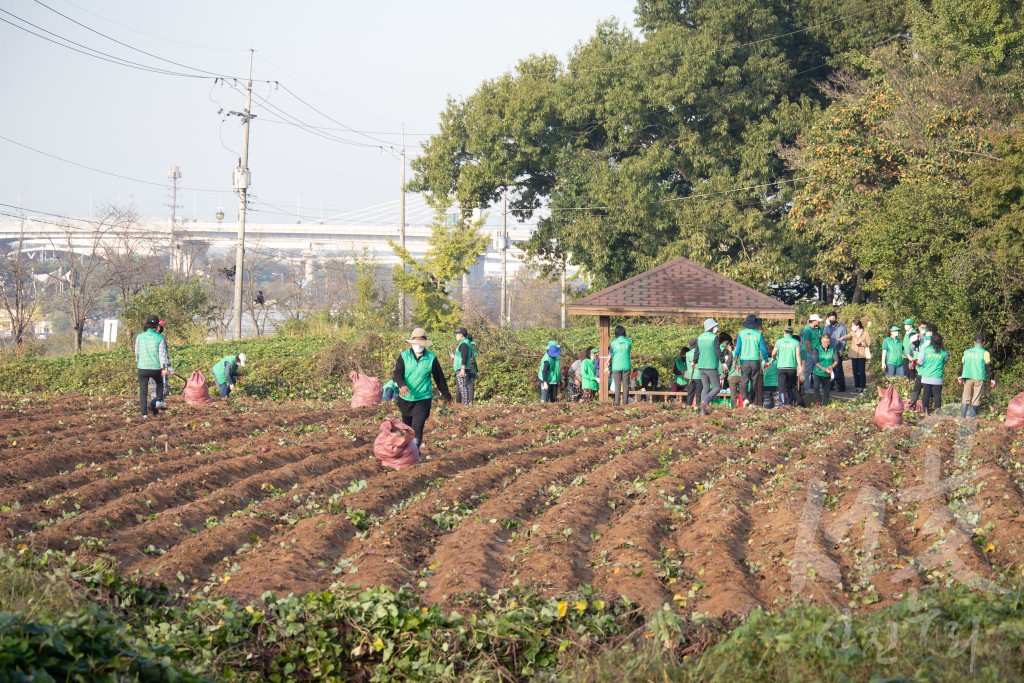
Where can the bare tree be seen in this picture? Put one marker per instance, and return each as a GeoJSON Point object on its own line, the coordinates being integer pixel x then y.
{"type": "Point", "coordinates": [131, 255]}
{"type": "Point", "coordinates": [81, 249]}
{"type": "Point", "coordinates": [18, 287]}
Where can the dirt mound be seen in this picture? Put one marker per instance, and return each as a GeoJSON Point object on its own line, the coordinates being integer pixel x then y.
{"type": "Point", "coordinates": [717, 515]}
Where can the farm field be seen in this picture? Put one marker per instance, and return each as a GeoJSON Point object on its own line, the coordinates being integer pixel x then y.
{"type": "Point", "coordinates": [715, 516]}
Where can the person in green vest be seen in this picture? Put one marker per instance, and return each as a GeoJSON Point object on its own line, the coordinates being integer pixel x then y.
{"type": "Point", "coordinates": [893, 359]}
{"type": "Point", "coordinates": [975, 370]}
{"type": "Point", "coordinates": [770, 382]}
{"type": "Point", "coordinates": [680, 370]}
{"type": "Point", "coordinates": [824, 365]}
{"type": "Point", "coordinates": [734, 378]}
{"type": "Point", "coordinates": [707, 361]}
{"type": "Point", "coordinates": [151, 362]}
{"type": "Point", "coordinates": [389, 391]}
{"type": "Point", "coordinates": [786, 354]}
{"type": "Point", "coordinates": [750, 356]}
{"type": "Point", "coordinates": [589, 371]}
{"type": "Point", "coordinates": [810, 340]}
{"type": "Point", "coordinates": [225, 372]}
{"type": "Point", "coordinates": [908, 348]}
{"type": "Point", "coordinates": [621, 364]}
{"type": "Point", "coordinates": [693, 385]}
{"type": "Point", "coordinates": [464, 361]}
{"type": "Point", "coordinates": [550, 372]}
{"type": "Point", "coordinates": [933, 359]}
{"type": "Point", "coordinates": [416, 372]}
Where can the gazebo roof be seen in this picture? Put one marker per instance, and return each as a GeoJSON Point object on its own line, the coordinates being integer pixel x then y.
{"type": "Point", "coordinates": [681, 288]}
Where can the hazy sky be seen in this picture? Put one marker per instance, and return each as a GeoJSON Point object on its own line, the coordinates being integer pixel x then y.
{"type": "Point", "coordinates": [370, 66]}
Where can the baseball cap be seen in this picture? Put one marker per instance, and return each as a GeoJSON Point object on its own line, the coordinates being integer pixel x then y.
{"type": "Point", "coordinates": [152, 321]}
{"type": "Point", "coordinates": [815, 316]}
{"type": "Point", "coordinates": [894, 328]}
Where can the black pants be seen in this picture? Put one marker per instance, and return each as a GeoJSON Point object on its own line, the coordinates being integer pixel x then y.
{"type": "Point", "coordinates": [144, 377]}
{"type": "Point", "coordinates": [822, 389]}
{"type": "Point", "coordinates": [414, 414]}
{"type": "Point", "coordinates": [932, 397]}
{"type": "Point", "coordinates": [693, 391]}
{"type": "Point", "coordinates": [916, 392]}
{"type": "Point", "coordinates": [750, 370]}
{"type": "Point", "coordinates": [649, 379]}
{"type": "Point", "coordinates": [787, 386]}
{"type": "Point", "coordinates": [840, 380]}
{"type": "Point", "coordinates": [860, 376]}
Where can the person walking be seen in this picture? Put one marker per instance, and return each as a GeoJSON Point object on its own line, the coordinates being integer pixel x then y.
{"type": "Point", "coordinates": [694, 388]}
{"type": "Point", "coordinates": [933, 357]}
{"type": "Point", "coordinates": [550, 372]}
{"type": "Point", "coordinates": [893, 358]}
{"type": "Point", "coordinates": [837, 331]}
{"type": "Point", "coordinates": [810, 340]}
{"type": "Point", "coordinates": [157, 397]}
{"type": "Point", "coordinates": [589, 372]}
{"type": "Point", "coordinates": [621, 364]}
{"type": "Point", "coordinates": [859, 352]}
{"type": "Point", "coordinates": [151, 363]}
{"type": "Point", "coordinates": [824, 367]}
{"type": "Point", "coordinates": [574, 383]}
{"type": "Point", "coordinates": [975, 369]}
{"type": "Point", "coordinates": [416, 372]}
{"type": "Point", "coordinates": [786, 353]}
{"type": "Point", "coordinates": [751, 355]}
{"type": "Point", "coordinates": [464, 362]}
{"type": "Point", "coordinates": [707, 360]}
{"type": "Point", "coordinates": [225, 372]}
{"type": "Point", "coordinates": [771, 382]}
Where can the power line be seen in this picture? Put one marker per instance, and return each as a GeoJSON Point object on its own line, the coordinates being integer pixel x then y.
{"type": "Point", "coordinates": [97, 170]}
{"type": "Point", "coordinates": [333, 120]}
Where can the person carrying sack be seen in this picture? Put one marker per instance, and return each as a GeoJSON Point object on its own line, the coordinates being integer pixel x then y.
{"type": "Point", "coordinates": [416, 372]}
{"type": "Point", "coordinates": [151, 362]}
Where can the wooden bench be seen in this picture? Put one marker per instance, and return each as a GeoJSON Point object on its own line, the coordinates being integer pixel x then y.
{"type": "Point", "coordinates": [649, 396]}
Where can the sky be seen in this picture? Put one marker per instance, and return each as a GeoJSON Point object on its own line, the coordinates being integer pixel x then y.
{"type": "Point", "coordinates": [371, 67]}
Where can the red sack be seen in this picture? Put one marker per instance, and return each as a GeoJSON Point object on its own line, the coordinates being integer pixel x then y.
{"type": "Point", "coordinates": [394, 446]}
{"type": "Point", "coordinates": [889, 412]}
{"type": "Point", "coordinates": [197, 391]}
{"type": "Point", "coordinates": [1015, 412]}
{"type": "Point", "coordinates": [366, 391]}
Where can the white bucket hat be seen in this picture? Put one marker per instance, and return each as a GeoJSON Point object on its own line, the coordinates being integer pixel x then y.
{"type": "Point", "coordinates": [710, 324]}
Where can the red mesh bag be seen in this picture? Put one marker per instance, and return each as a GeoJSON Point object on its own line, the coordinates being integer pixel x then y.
{"type": "Point", "coordinates": [889, 412]}
{"type": "Point", "coordinates": [197, 391]}
{"type": "Point", "coordinates": [366, 391]}
{"type": "Point", "coordinates": [394, 446]}
{"type": "Point", "coordinates": [1015, 412]}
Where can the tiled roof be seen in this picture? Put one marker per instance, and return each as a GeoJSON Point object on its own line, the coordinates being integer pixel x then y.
{"type": "Point", "coordinates": [681, 287]}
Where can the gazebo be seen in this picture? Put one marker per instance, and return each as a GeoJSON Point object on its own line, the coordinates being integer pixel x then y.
{"type": "Point", "coordinates": [679, 288]}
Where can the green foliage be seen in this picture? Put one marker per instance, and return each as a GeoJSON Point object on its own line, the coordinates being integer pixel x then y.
{"type": "Point", "coordinates": [453, 249]}
{"type": "Point", "coordinates": [184, 304]}
{"type": "Point", "coordinates": [373, 309]}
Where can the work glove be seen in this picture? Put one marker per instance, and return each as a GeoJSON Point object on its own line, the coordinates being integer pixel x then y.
{"type": "Point", "coordinates": [543, 385]}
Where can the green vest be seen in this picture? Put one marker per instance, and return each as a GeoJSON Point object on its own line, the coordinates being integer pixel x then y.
{"type": "Point", "coordinates": [390, 385]}
{"type": "Point", "coordinates": [974, 363]}
{"type": "Point", "coordinates": [934, 363]}
{"type": "Point", "coordinates": [786, 349]}
{"type": "Point", "coordinates": [222, 369]}
{"type": "Point", "coordinates": [418, 375]}
{"type": "Point", "coordinates": [682, 371]}
{"type": "Point", "coordinates": [706, 345]}
{"type": "Point", "coordinates": [812, 334]}
{"type": "Point", "coordinates": [771, 374]}
{"type": "Point", "coordinates": [825, 358]}
{"type": "Point", "coordinates": [471, 369]}
{"type": "Point", "coordinates": [149, 350]}
{"type": "Point", "coordinates": [893, 351]}
{"type": "Point", "coordinates": [589, 374]}
{"type": "Point", "coordinates": [908, 346]}
{"type": "Point", "coordinates": [554, 370]}
{"type": "Point", "coordinates": [750, 344]}
{"type": "Point", "coordinates": [621, 354]}
{"type": "Point", "coordinates": [691, 373]}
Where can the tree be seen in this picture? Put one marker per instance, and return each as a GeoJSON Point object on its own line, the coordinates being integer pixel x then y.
{"type": "Point", "coordinates": [18, 287]}
{"type": "Point", "coordinates": [184, 304]}
{"type": "Point", "coordinates": [453, 249]}
{"type": "Point", "coordinates": [373, 308]}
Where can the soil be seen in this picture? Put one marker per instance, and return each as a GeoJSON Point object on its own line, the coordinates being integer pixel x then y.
{"type": "Point", "coordinates": [719, 515]}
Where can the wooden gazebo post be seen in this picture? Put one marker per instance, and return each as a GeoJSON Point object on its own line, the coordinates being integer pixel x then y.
{"type": "Point", "coordinates": [604, 323]}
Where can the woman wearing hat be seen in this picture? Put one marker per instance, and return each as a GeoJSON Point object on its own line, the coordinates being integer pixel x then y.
{"type": "Point", "coordinates": [414, 370]}
{"type": "Point", "coordinates": [892, 354]}
{"type": "Point", "coordinates": [225, 372]}
{"type": "Point", "coordinates": [550, 373]}
{"type": "Point", "coordinates": [707, 360]}
{"type": "Point", "coordinates": [151, 362]}
{"type": "Point", "coordinates": [589, 370]}
{"type": "Point", "coordinates": [750, 356]}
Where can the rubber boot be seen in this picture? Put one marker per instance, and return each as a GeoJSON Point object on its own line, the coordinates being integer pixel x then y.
{"type": "Point", "coordinates": [974, 412]}
{"type": "Point", "coordinates": [963, 410]}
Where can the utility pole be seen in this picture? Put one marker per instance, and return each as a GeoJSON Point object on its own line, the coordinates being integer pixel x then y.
{"type": "Point", "coordinates": [401, 225]}
{"type": "Point", "coordinates": [565, 263]}
{"type": "Point", "coordinates": [241, 182]}
{"type": "Point", "coordinates": [503, 318]}
{"type": "Point", "coordinates": [175, 175]}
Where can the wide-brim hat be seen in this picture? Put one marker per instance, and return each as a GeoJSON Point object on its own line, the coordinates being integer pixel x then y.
{"type": "Point", "coordinates": [419, 338]}
{"type": "Point", "coordinates": [554, 350]}
{"type": "Point", "coordinates": [815, 316]}
{"type": "Point", "coordinates": [710, 324]}
{"type": "Point", "coordinates": [750, 321]}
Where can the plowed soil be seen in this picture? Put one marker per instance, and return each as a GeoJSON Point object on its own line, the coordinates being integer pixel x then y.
{"type": "Point", "coordinates": [716, 515]}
